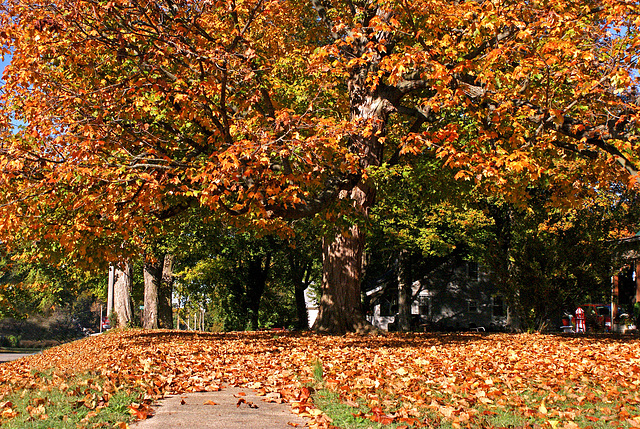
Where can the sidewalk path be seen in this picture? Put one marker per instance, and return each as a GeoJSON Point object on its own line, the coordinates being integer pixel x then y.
{"type": "Point", "coordinates": [229, 408]}
{"type": "Point", "coordinates": [7, 357]}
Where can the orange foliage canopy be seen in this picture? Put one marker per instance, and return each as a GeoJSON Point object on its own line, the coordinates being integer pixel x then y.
{"type": "Point", "coordinates": [118, 115]}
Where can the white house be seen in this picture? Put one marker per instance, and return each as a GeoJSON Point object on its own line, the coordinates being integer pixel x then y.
{"type": "Point", "coordinates": [456, 296]}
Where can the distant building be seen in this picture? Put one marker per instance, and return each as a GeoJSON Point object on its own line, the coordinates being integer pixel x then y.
{"type": "Point", "coordinates": [625, 283]}
{"type": "Point", "coordinates": [456, 296]}
{"type": "Point", "coordinates": [312, 306]}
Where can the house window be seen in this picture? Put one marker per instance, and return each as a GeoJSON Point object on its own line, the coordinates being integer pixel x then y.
{"type": "Point", "coordinates": [424, 306]}
{"type": "Point", "coordinates": [473, 306]}
{"type": "Point", "coordinates": [497, 306]}
{"type": "Point", "coordinates": [472, 270]}
{"type": "Point", "coordinates": [388, 307]}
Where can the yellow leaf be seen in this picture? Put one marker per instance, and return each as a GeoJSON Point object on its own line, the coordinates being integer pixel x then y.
{"type": "Point", "coordinates": [542, 409]}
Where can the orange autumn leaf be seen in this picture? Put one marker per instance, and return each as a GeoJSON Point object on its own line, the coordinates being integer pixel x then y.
{"type": "Point", "coordinates": [140, 414]}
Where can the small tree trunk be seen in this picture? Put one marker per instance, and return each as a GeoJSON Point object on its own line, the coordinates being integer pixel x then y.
{"type": "Point", "coordinates": [257, 280]}
{"type": "Point", "coordinates": [300, 267]}
{"type": "Point", "coordinates": [152, 279]}
{"type": "Point", "coordinates": [254, 308]}
{"type": "Point", "coordinates": [404, 291]}
{"type": "Point", "coordinates": [301, 308]}
{"type": "Point", "coordinates": [122, 294]}
{"type": "Point", "coordinates": [110, 290]}
{"type": "Point", "coordinates": [165, 294]}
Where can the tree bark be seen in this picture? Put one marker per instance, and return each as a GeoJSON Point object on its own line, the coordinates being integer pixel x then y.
{"type": "Point", "coordinates": [342, 265]}
{"type": "Point", "coordinates": [340, 306]}
{"type": "Point", "coordinates": [165, 294]}
{"type": "Point", "coordinates": [152, 279]}
{"type": "Point", "coordinates": [122, 294]}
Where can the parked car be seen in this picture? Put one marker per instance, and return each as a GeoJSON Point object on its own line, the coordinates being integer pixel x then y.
{"type": "Point", "coordinates": [105, 323]}
{"type": "Point", "coordinates": [597, 317]}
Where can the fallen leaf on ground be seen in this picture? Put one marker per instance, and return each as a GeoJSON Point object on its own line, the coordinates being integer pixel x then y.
{"type": "Point", "coordinates": [460, 379]}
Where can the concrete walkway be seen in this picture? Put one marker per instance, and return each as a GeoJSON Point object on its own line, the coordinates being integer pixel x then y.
{"type": "Point", "coordinates": [229, 408]}
{"type": "Point", "coordinates": [7, 357]}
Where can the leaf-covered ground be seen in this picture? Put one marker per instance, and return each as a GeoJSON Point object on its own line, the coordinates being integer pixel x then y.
{"type": "Point", "coordinates": [414, 380]}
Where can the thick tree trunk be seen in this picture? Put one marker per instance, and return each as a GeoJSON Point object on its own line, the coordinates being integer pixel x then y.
{"type": "Point", "coordinates": [342, 265]}
{"type": "Point", "coordinates": [122, 294]}
{"type": "Point", "coordinates": [340, 305]}
{"type": "Point", "coordinates": [152, 279]}
{"type": "Point", "coordinates": [404, 291]}
{"type": "Point", "coordinates": [165, 294]}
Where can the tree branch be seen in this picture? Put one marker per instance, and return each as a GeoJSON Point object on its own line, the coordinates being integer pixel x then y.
{"type": "Point", "coordinates": [598, 136]}
{"type": "Point", "coordinates": [327, 196]}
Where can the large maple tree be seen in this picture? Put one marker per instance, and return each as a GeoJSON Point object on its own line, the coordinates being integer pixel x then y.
{"type": "Point", "coordinates": [119, 114]}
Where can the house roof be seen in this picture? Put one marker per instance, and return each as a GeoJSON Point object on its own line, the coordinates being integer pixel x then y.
{"type": "Point", "coordinates": [628, 247]}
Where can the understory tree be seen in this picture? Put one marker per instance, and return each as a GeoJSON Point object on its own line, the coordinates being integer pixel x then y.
{"type": "Point", "coordinates": [30, 287]}
{"type": "Point", "coordinates": [119, 115]}
{"type": "Point", "coordinates": [158, 276]}
{"type": "Point", "coordinates": [240, 277]}
{"type": "Point", "coordinates": [424, 219]}
{"type": "Point", "coordinates": [562, 254]}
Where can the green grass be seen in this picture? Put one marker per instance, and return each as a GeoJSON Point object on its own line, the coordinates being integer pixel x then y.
{"type": "Point", "coordinates": [584, 405]}
{"type": "Point", "coordinates": [318, 372]}
{"type": "Point", "coordinates": [499, 419]}
{"type": "Point", "coordinates": [343, 415]}
{"type": "Point", "coordinates": [84, 401]}
{"type": "Point", "coordinates": [19, 350]}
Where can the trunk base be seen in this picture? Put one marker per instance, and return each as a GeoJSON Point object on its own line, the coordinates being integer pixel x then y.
{"type": "Point", "coordinates": [331, 325]}
{"type": "Point", "coordinates": [340, 305]}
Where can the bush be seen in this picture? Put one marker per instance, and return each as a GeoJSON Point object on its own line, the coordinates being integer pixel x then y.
{"type": "Point", "coordinates": [10, 341]}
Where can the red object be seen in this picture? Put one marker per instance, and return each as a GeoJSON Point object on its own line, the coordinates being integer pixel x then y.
{"type": "Point", "coordinates": [105, 323]}
{"type": "Point", "coordinates": [580, 323]}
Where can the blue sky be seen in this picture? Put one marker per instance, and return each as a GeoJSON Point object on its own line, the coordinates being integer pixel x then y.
{"type": "Point", "coordinates": [7, 60]}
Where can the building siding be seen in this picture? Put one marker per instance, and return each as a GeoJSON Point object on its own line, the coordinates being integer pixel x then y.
{"type": "Point", "coordinates": [455, 297]}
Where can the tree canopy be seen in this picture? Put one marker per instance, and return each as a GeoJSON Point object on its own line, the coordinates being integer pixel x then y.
{"type": "Point", "coordinates": [117, 115]}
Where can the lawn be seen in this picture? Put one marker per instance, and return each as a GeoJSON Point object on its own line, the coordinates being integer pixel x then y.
{"type": "Point", "coordinates": [413, 380]}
